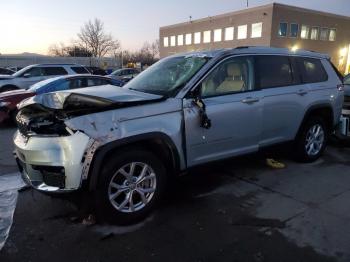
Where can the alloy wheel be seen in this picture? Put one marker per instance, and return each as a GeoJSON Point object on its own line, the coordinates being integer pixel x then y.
{"type": "Point", "coordinates": [132, 187]}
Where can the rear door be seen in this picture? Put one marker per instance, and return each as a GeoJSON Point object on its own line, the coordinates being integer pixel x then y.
{"type": "Point", "coordinates": [234, 108]}
{"type": "Point", "coordinates": [49, 72]}
{"type": "Point", "coordinates": [285, 97]}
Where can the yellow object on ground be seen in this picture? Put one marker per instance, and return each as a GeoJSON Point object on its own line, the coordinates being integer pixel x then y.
{"type": "Point", "coordinates": [274, 164]}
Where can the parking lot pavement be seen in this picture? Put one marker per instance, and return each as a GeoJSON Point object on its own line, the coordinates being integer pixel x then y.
{"type": "Point", "coordinates": [237, 210]}
{"type": "Point", "coordinates": [7, 162]}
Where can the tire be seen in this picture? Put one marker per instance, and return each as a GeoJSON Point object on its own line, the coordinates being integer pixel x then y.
{"type": "Point", "coordinates": [116, 211]}
{"type": "Point", "coordinates": [312, 140]}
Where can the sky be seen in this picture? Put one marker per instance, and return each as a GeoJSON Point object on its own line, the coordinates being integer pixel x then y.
{"type": "Point", "coordinates": [34, 25]}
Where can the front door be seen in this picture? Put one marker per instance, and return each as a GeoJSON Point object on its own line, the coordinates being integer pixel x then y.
{"type": "Point", "coordinates": [234, 108]}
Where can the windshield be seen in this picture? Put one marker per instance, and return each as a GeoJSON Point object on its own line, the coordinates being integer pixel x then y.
{"type": "Point", "coordinates": [20, 72]}
{"type": "Point", "coordinates": [116, 72]}
{"type": "Point", "coordinates": [40, 84]}
{"type": "Point", "coordinates": [168, 75]}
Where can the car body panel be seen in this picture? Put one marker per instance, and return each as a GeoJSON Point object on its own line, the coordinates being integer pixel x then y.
{"type": "Point", "coordinates": [52, 151]}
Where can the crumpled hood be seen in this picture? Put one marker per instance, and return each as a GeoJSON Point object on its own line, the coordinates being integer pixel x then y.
{"type": "Point", "coordinates": [6, 77]}
{"type": "Point", "coordinates": [90, 98]}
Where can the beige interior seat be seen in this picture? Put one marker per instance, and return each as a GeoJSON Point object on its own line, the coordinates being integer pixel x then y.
{"type": "Point", "coordinates": [234, 80]}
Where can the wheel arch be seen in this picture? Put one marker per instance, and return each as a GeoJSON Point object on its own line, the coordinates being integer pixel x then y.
{"type": "Point", "coordinates": [324, 110]}
{"type": "Point", "coordinates": [156, 142]}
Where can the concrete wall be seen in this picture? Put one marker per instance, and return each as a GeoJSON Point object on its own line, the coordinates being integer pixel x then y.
{"type": "Point", "coordinates": [253, 15]}
{"type": "Point", "coordinates": [22, 61]}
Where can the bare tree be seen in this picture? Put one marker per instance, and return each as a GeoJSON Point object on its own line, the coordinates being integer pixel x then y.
{"type": "Point", "coordinates": [58, 50]}
{"type": "Point", "coordinates": [73, 50]}
{"type": "Point", "coordinates": [93, 37]}
{"type": "Point", "coordinates": [155, 49]}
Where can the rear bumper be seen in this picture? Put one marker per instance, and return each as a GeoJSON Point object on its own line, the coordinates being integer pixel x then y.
{"type": "Point", "coordinates": [51, 164]}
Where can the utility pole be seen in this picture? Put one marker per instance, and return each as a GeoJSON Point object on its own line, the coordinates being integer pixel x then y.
{"type": "Point", "coordinates": [247, 3]}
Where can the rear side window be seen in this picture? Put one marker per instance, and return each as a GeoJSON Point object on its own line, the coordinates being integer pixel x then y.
{"type": "Point", "coordinates": [96, 82]}
{"type": "Point", "coordinates": [273, 71]}
{"type": "Point", "coordinates": [311, 70]}
{"type": "Point", "coordinates": [80, 70]}
{"type": "Point", "coordinates": [54, 71]}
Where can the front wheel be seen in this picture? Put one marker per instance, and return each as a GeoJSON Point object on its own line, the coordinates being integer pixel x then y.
{"type": "Point", "coordinates": [312, 140]}
{"type": "Point", "coordinates": [130, 186]}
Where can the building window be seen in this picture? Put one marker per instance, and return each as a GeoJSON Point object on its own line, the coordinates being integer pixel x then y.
{"type": "Point", "coordinates": [332, 34]}
{"type": "Point", "coordinates": [229, 33]}
{"type": "Point", "coordinates": [166, 41]}
{"type": "Point", "coordinates": [217, 35]}
{"type": "Point", "coordinates": [206, 36]}
{"type": "Point", "coordinates": [256, 30]}
{"type": "Point", "coordinates": [304, 34]}
{"type": "Point", "coordinates": [294, 29]}
{"type": "Point", "coordinates": [282, 31]}
{"type": "Point", "coordinates": [180, 40]}
{"type": "Point", "coordinates": [242, 32]}
{"type": "Point", "coordinates": [314, 33]}
{"type": "Point", "coordinates": [324, 34]}
{"type": "Point", "coordinates": [173, 40]}
{"type": "Point", "coordinates": [188, 39]}
{"type": "Point", "coordinates": [197, 37]}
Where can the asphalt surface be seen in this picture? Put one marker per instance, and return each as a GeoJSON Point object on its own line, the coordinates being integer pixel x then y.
{"type": "Point", "coordinates": [237, 210]}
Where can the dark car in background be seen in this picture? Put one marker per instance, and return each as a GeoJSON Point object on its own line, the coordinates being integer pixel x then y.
{"type": "Point", "coordinates": [125, 74]}
{"type": "Point", "coordinates": [94, 70]}
{"type": "Point", "coordinates": [5, 71]}
{"type": "Point", "coordinates": [10, 99]}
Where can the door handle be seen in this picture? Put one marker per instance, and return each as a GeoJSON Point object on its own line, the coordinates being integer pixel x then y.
{"type": "Point", "coordinates": [302, 92]}
{"type": "Point", "coordinates": [250, 100]}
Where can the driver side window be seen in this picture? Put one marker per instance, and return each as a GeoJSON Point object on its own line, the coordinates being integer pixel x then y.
{"type": "Point", "coordinates": [235, 75]}
{"type": "Point", "coordinates": [33, 72]}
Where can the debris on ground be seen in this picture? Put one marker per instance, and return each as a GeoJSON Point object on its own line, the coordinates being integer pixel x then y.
{"type": "Point", "coordinates": [274, 164]}
{"type": "Point", "coordinates": [89, 221]}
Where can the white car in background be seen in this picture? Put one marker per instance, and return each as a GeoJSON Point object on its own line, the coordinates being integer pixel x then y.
{"type": "Point", "coordinates": [32, 74]}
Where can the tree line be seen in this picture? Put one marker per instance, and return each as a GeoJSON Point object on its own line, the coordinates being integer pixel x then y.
{"type": "Point", "coordinates": [93, 41]}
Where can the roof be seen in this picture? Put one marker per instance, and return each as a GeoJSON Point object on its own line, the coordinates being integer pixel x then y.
{"type": "Point", "coordinates": [252, 9]}
{"type": "Point", "coordinates": [254, 50]}
{"type": "Point", "coordinates": [54, 64]}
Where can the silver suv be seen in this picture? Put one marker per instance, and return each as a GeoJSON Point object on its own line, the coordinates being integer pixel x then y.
{"type": "Point", "coordinates": [32, 74]}
{"type": "Point", "coordinates": [124, 144]}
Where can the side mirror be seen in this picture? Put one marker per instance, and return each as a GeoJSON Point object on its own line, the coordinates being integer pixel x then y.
{"type": "Point", "coordinates": [27, 75]}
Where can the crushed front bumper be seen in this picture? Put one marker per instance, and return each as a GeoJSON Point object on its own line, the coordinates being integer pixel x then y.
{"type": "Point", "coordinates": [51, 164]}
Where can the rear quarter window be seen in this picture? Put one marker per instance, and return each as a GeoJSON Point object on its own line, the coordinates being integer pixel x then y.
{"type": "Point", "coordinates": [311, 70]}
{"type": "Point", "coordinates": [273, 71]}
{"type": "Point", "coordinates": [54, 71]}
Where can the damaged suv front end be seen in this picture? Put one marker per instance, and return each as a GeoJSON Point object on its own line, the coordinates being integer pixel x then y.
{"type": "Point", "coordinates": [58, 134]}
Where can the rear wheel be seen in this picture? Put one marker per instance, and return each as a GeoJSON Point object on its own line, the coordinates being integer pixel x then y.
{"type": "Point", "coordinates": [130, 186]}
{"type": "Point", "coordinates": [312, 140]}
